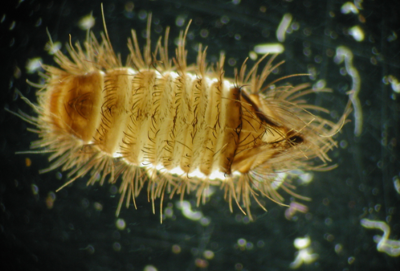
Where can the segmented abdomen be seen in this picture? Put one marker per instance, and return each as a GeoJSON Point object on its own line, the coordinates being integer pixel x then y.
{"type": "Point", "coordinates": [179, 123]}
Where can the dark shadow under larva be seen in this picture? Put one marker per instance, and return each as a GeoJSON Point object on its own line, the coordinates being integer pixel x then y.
{"type": "Point", "coordinates": [161, 124]}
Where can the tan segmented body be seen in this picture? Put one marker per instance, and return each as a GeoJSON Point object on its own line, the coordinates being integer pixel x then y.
{"type": "Point", "coordinates": [178, 128]}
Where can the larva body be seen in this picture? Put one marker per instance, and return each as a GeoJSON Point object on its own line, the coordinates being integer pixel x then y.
{"type": "Point", "coordinates": [176, 128]}
{"type": "Point", "coordinates": [184, 125]}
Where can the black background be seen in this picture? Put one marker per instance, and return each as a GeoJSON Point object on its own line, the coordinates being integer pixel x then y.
{"type": "Point", "coordinates": [33, 237]}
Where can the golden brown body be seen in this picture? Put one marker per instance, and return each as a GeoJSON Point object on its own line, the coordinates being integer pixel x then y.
{"type": "Point", "coordinates": [173, 129]}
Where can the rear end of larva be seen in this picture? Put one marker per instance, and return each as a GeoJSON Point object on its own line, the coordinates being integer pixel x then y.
{"type": "Point", "coordinates": [175, 128]}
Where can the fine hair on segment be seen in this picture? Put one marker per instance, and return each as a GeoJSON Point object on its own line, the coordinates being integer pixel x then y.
{"type": "Point", "coordinates": [168, 127]}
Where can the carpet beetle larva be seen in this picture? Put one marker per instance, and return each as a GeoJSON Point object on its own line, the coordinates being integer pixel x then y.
{"type": "Point", "coordinates": [173, 127]}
